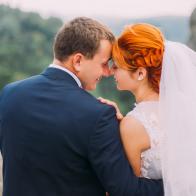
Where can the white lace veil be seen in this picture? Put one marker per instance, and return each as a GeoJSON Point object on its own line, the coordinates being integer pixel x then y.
{"type": "Point", "coordinates": [178, 120]}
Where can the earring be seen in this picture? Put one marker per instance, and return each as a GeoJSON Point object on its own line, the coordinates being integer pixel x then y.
{"type": "Point", "coordinates": [140, 78]}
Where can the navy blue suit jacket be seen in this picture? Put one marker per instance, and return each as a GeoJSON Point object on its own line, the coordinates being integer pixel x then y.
{"type": "Point", "coordinates": [57, 140]}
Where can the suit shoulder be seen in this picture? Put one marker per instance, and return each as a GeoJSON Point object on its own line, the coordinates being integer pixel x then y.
{"type": "Point", "coordinates": [21, 82]}
{"type": "Point", "coordinates": [18, 85]}
{"type": "Point", "coordinates": [91, 102]}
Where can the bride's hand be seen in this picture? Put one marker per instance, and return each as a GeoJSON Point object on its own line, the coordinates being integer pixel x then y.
{"type": "Point", "coordinates": [106, 101]}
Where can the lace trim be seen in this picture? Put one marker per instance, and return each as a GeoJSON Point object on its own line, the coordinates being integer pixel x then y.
{"type": "Point", "coordinates": [150, 123]}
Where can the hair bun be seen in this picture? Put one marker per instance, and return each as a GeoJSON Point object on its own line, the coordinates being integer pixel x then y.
{"type": "Point", "coordinates": [152, 57]}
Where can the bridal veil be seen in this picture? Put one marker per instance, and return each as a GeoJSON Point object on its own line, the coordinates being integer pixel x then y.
{"type": "Point", "coordinates": [178, 120]}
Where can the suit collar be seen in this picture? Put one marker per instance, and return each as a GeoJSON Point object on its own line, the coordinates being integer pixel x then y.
{"type": "Point", "coordinates": [58, 74]}
{"type": "Point", "coordinates": [68, 71]}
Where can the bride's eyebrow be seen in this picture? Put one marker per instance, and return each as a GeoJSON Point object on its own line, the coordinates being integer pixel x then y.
{"type": "Point", "coordinates": [110, 59]}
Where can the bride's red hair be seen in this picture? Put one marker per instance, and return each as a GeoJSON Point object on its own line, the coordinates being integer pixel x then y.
{"type": "Point", "coordinates": [141, 45]}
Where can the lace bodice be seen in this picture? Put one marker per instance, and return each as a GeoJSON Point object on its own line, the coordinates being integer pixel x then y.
{"type": "Point", "coordinates": [147, 114]}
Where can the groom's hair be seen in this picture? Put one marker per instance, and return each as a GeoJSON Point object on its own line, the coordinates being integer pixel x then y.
{"type": "Point", "coordinates": [82, 35]}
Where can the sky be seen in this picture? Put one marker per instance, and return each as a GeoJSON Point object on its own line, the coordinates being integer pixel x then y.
{"type": "Point", "coordinates": [109, 8]}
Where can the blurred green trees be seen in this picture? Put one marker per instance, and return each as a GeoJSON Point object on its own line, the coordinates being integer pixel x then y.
{"type": "Point", "coordinates": [25, 43]}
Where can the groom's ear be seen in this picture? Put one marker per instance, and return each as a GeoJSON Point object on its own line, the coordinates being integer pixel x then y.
{"type": "Point", "coordinates": [76, 61]}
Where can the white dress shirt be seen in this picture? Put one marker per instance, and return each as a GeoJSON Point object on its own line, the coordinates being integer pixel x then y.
{"type": "Point", "coordinates": [69, 72]}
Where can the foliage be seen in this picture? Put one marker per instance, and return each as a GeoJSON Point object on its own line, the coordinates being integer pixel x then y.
{"type": "Point", "coordinates": [26, 43]}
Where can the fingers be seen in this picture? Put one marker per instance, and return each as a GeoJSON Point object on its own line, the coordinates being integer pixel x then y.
{"type": "Point", "coordinates": [106, 101]}
{"type": "Point", "coordinates": [119, 116]}
{"type": "Point", "coordinates": [102, 99]}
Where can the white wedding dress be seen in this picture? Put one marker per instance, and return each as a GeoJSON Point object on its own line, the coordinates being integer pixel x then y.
{"type": "Point", "coordinates": [147, 113]}
{"type": "Point", "coordinates": [172, 155]}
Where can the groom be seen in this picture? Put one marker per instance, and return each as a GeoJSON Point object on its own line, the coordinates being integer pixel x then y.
{"type": "Point", "coordinates": [58, 140]}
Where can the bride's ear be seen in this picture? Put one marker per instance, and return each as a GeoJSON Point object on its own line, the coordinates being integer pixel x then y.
{"type": "Point", "coordinates": [76, 61]}
{"type": "Point", "coordinates": [141, 73]}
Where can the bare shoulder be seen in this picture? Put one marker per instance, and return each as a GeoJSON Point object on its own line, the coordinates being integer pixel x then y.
{"type": "Point", "coordinates": [131, 125]}
{"type": "Point", "coordinates": [132, 130]}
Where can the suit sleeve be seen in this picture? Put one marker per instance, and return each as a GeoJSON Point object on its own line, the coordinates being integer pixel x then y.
{"type": "Point", "coordinates": [2, 97]}
{"type": "Point", "coordinates": [1, 105]}
{"type": "Point", "coordinates": [110, 164]}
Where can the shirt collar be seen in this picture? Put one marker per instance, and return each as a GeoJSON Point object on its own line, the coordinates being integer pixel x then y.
{"type": "Point", "coordinates": [67, 71]}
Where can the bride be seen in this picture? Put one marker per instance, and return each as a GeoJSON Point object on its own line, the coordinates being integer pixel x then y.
{"type": "Point", "coordinates": [159, 135]}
